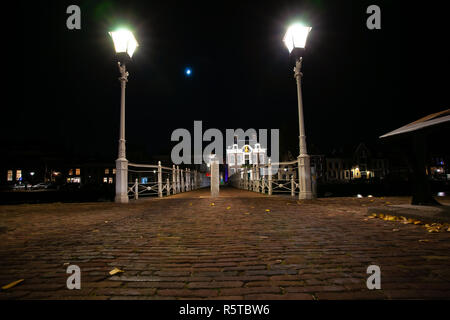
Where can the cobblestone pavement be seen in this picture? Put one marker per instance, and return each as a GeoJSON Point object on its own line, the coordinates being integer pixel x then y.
{"type": "Point", "coordinates": [190, 246]}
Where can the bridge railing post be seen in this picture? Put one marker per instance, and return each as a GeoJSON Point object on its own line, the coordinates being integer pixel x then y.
{"type": "Point", "coordinates": [257, 178]}
{"type": "Point", "coordinates": [189, 180]}
{"type": "Point", "coordinates": [136, 189]}
{"type": "Point", "coordinates": [178, 179]}
{"type": "Point", "coordinates": [174, 180]}
{"type": "Point", "coordinates": [160, 191]}
{"type": "Point", "coordinates": [182, 180]}
{"type": "Point", "coordinates": [263, 185]}
{"type": "Point", "coordinates": [292, 186]}
{"type": "Point", "coordinates": [245, 178]}
{"type": "Point", "coordinates": [195, 179]}
{"type": "Point", "coordinates": [269, 178]}
{"type": "Point", "coordinates": [252, 179]}
{"type": "Point", "coordinates": [168, 186]}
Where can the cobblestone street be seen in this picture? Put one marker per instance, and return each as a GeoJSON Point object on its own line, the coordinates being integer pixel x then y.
{"type": "Point", "coordinates": [243, 245]}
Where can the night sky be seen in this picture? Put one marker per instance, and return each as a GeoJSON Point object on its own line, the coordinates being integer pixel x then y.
{"type": "Point", "coordinates": [357, 85]}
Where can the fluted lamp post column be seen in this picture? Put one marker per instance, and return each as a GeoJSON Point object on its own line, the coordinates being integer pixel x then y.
{"type": "Point", "coordinates": [125, 44]}
{"type": "Point", "coordinates": [295, 40]}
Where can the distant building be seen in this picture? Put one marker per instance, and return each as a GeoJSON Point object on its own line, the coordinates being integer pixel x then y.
{"type": "Point", "coordinates": [360, 165]}
{"type": "Point", "coordinates": [250, 153]}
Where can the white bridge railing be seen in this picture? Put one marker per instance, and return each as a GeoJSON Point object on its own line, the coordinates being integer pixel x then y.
{"type": "Point", "coordinates": [271, 178]}
{"type": "Point", "coordinates": [159, 181]}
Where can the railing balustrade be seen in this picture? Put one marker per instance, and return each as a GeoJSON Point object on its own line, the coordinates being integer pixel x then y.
{"type": "Point", "coordinates": [159, 181]}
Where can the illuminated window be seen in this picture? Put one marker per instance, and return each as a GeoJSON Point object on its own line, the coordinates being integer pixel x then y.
{"type": "Point", "coordinates": [77, 172]}
{"type": "Point", "coordinates": [106, 171]}
{"type": "Point", "coordinates": [105, 179]}
{"type": "Point", "coordinates": [19, 175]}
{"type": "Point", "coordinates": [70, 172]}
{"type": "Point", "coordinates": [10, 175]}
{"type": "Point", "coordinates": [110, 180]}
{"type": "Point", "coordinates": [114, 171]}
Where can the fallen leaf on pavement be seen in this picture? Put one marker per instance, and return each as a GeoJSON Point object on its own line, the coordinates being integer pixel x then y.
{"type": "Point", "coordinates": [12, 284]}
{"type": "Point", "coordinates": [114, 271]}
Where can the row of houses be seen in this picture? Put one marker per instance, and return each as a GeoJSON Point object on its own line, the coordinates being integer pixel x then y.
{"type": "Point", "coordinates": [338, 166]}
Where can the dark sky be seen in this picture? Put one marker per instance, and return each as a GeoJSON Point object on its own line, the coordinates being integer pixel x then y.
{"type": "Point", "coordinates": [357, 85]}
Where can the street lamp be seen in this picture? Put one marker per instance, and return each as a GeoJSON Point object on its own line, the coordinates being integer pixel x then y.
{"type": "Point", "coordinates": [125, 44]}
{"type": "Point", "coordinates": [295, 41]}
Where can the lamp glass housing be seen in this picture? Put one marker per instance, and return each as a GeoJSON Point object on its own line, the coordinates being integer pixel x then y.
{"type": "Point", "coordinates": [124, 41]}
{"type": "Point", "coordinates": [296, 36]}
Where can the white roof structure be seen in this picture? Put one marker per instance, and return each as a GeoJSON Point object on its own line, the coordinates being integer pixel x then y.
{"type": "Point", "coordinates": [428, 121]}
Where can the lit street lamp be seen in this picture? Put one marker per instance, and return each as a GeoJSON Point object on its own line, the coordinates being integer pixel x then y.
{"type": "Point", "coordinates": [295, 40]}
{"type": "Point", "coordinates": [125, 44]}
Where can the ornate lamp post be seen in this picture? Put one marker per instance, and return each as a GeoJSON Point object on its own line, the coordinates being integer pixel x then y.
{"type": "Point", "coordinates": [295, 40]}
{"type": "Point", "coordinates": [125, 44]}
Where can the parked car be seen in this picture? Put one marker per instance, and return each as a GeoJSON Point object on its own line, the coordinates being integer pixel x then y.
{"type": "Point", "coordinates": [41, 185]}
{"type": "Point", "coordinates": [19, 186]}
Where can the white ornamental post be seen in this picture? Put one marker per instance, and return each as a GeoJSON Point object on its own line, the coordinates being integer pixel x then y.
{"type": "Point", "coordinates": [136, 189]}
{"type": "Point", "coordinates": [214, 178]}
{"type": "Point", "coordinates": [174, 180]}
{"type": "Point", "coordinates": [292, 186]}
{"type": "Point", "coordinates": [159, 180]}
{"type": "Point", "coordinates": [178, 180]}
{"type": "Point", "coordinates": [122, 162]}
{"type": "Point", "coordinates": [269, 178]}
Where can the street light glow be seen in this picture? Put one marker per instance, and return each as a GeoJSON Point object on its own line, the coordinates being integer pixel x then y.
{"type": "Point", "coordinates": [295, 36]}
{"type": "Point", "coordinates": [124, 41]}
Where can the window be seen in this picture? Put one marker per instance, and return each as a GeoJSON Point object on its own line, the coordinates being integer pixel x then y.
{"type": "Point", "coordinates": [10, 175]}
{"type": "Point", "coordinates": [77, 172]}
{"type": "Point", "coordinates": [19, 175]}
{"type": "Point", "coordinates": [105, 179]}
{"type": "Point", "coordinates": [70, 172]}
{"type": "Point", "coordinates": [114, 171]}
{"type": "Point", "coordinates": [106, 171]}
{"type": "Point", "coordinates": [110, 180]}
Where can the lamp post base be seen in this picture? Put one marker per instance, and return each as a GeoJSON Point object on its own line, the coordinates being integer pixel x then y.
{"type": "Point", "coordinates": [121, 181]}
{"type": "Point", "coordinates": [304, 173]}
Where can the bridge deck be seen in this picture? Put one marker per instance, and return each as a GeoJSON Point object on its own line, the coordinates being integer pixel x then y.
{"type": "Point", "coordinates": [190, 246]}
